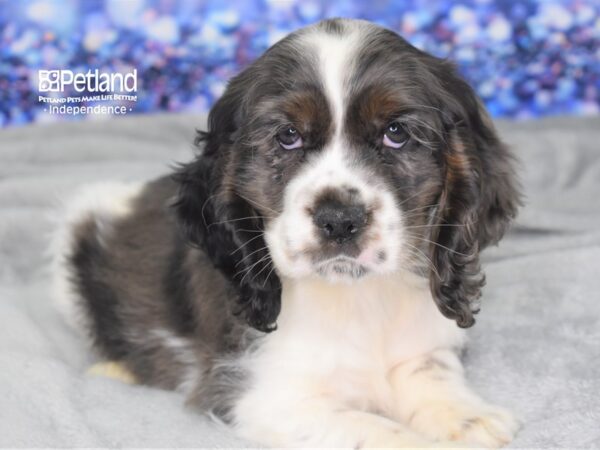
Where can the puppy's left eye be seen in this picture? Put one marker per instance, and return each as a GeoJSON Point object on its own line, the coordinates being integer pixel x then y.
{"type": "Point", "coordinates": [395, 135]}
{"type": "Point", "coordinates": [289, 138]}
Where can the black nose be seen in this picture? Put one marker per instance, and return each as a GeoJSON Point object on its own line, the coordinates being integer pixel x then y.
{"type": "Point", "coordinates": [339, 222]}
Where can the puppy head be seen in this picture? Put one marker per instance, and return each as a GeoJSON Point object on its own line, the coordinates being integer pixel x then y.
{"type": "Point", "coordinates": [343, 152]}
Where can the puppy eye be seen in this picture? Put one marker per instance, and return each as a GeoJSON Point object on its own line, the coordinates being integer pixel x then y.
{"type": "Point", "coordinates": [289, 138]}
{"type": "Point", "coordinates": [395, 135]}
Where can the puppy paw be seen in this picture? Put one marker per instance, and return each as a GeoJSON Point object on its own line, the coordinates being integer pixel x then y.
{"type": "Point", "coordinates": [490, 427]}
{"type": "Point", "coordinates": [481, 426]}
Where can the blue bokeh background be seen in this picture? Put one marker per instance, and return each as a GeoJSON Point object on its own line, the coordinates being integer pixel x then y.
{"type": "Point", "coordinates": [526, 58]}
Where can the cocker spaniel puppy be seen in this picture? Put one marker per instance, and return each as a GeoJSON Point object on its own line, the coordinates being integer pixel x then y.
{"type": "Point", "coordinates": [307, 278]}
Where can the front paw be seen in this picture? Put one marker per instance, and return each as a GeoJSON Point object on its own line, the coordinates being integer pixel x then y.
{"type": "Point", "coordinates": [481, 425]}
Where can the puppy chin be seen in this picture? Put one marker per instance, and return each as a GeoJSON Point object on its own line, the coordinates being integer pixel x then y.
{"type": "Point", "coordinates": [341, 269]}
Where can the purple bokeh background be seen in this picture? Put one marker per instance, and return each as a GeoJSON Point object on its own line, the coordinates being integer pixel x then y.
{"type": "Point", "coordinates": [526, 59]}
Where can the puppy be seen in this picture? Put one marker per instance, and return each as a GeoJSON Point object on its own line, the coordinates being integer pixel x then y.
{"type": "Point", "coordinates": [307, 278]}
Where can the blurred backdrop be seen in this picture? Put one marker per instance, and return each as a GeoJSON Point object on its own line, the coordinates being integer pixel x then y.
{"type": "Point", "coordinates": [526, 58]}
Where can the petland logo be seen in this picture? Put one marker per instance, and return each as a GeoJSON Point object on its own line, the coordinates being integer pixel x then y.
{"type": "Point", "coordinates": [99, 87]}
{"type": "Point", "coordinates": [57, 80]}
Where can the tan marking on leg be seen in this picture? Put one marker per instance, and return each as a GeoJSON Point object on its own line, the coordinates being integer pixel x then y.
{"type": "Point", "coordinates": [114, 370]}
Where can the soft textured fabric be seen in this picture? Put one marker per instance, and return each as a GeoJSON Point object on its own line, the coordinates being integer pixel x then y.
{"type": "Point", "coordinates": [535, 348]}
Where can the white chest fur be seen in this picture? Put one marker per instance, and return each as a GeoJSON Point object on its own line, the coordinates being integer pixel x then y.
{"type": "Point", "coordinates": [342, 340]}
{"type": "Point", "coordinates": [378, 319]}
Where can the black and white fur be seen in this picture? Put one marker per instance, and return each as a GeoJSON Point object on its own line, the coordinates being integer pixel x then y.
{"type": "Point", "coordinates": [308, 293]}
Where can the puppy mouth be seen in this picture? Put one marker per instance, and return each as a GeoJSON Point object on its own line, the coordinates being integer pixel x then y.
{"type": "Point", "coordinates": [341, 267]}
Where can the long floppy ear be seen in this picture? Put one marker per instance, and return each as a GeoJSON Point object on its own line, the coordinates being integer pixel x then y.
{"type": "Point", "coordinates": [479, 199]}
{"type": "Point", "coordinates": [214, 216]}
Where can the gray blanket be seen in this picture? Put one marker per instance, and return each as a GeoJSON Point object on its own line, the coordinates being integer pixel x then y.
{"type": "Point", "coordinates": [535, 348]}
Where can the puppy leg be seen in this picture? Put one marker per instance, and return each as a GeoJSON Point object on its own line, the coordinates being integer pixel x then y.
{"type": "Point", "coordinates": [432, 398]}
{"type": "Point", "coordinates": [323, 422]}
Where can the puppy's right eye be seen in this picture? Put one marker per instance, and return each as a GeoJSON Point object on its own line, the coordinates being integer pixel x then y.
{"type": "Point", "coordinates": [289, 138]}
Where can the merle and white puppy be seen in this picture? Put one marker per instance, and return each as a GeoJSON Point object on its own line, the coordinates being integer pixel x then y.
{"type": "Point", "coordinates": [307, 277]}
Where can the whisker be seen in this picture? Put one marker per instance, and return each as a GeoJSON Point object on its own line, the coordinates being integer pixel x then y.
{"type": "Point", "coordinates": [250, 254]}
{"type": "Point", "coordinates": [414, 258]}
{"type": "Point", "coordinates": [237, 220]}
{"type": "Point", "coordinates": [409, 198]}
{"type": "Point", "coordinates": [245, 243]}
{"type": "Point", "coordinates": [433, 225]}
{"type": "Point", "coordinates": [253, 202]}
{"type": "Point", "coordinates": [269, 274]}
{"type": "Point", "coordinates": [259, 272]}
{"type": "Point", "coordinates": [431, 266]}
{"type": "Point", "coordinates": [252, 267]}
{"type": "Point", "coordinates": [403, 188]}
{"type": "Point", "coordinates": [422, 207]}
{"type": "Point", "coordinates": [442, 246]}
{"type": "Point", "coordinates": [425, 125]}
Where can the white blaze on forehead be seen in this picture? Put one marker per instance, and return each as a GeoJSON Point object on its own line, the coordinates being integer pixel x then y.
{"type": "Point", "coordinates": [336, 54]}
{"type": "Point", "coordinates": [292, 236]}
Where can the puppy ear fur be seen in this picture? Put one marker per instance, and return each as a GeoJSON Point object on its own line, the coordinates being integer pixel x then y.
{"type": "Point", "coordinates": [220, 221]}
{"type": "Point", "coordinates": [479, 200]}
